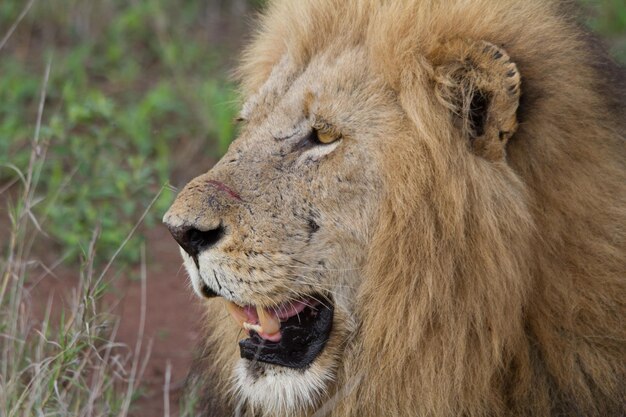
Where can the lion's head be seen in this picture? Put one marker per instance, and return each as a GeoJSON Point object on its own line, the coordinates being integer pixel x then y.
{"type": "Point", "coordinates": [392, 232]}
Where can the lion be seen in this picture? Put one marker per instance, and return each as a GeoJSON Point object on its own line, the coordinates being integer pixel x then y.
{"type": "Point", "coordinates": [424, 215]}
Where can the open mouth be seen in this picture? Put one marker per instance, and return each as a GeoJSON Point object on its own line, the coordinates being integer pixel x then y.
{"type": "Point", "coordinates": [291, 335]}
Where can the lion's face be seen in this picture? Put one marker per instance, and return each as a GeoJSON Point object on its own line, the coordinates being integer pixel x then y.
{"type": "Point", "coordinates": [341, 189]}
{"type": "Point", "coordinates": [281, 226]}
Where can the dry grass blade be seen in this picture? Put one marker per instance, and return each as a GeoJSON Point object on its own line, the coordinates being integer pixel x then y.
{"type": "Point", "coordinates": [166, 390]}
{"type": "Point", "coordinates": [19, 19]}
{"type": "Point", "coordinates": [137, 371]}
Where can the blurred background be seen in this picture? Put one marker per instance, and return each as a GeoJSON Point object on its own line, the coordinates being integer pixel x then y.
{"type": "Point", "coordinates": [106, 108]}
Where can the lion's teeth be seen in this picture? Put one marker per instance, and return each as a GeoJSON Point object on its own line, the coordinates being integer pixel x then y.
{"type": "Point", "coordinates": [254, 327]}
{"type": "Point", "coordinates": [263, 322]}
{"type": "Point", "coordinates": [269, 322]}
{"type": "Point", "coordinates": [237, 313]}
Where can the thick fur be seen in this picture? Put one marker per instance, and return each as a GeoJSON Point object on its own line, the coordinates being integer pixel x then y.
{"type": "Point", "coordinates": [489, 284]}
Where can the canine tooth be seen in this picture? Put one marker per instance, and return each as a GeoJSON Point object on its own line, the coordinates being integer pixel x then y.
{"type": "Point", "coordinates": [237, 313]}
{"type": "Point", "coordinates": [269, 322]}
{"type": "Point", "coordinates": [254, 327]}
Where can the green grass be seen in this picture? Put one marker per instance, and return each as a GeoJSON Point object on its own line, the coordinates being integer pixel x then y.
{"type": "Point", "coordinates": [608, 18]}
{"type": "Point", "coordinates": [128, 86]}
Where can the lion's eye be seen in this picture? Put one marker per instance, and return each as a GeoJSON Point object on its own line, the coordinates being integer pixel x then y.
{"type": "Point", "coordinates": [324, 138]}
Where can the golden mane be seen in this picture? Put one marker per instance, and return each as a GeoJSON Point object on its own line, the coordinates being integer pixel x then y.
{"type": "Point", "coordinates": [513, 299]}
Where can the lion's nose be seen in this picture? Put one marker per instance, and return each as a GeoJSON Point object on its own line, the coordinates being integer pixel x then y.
{"type": "Point", "coordinates": [193, 240]}
{"type": "Point", "coordinates": [199, 219]}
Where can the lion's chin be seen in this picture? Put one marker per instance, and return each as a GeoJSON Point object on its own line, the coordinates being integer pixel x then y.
{"type": "Point", "coordinates": [274, 390]}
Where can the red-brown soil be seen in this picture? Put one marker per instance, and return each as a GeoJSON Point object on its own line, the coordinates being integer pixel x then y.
{"type": "Point", "coordinates": [172, 313]}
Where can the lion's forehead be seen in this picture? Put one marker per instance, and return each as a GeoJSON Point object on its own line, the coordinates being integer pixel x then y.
{"type": "Point", "coordinates": [337, 85]}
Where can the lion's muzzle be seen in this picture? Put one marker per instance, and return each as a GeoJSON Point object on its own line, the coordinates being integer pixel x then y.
{"type": "Point", "coordinates": [199, 224]}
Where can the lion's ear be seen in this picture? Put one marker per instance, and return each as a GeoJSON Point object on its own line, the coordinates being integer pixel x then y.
{"type": "Point", "coordinates": [478, 82]}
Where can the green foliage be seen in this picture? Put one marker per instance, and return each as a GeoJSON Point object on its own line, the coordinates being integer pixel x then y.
{"type": "Point", "coordinates": [131, 84]}
{"type": "Point", "coordinates": [608, 17]}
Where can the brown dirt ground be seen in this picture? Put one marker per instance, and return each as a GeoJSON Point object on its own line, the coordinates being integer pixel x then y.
{"type": "Point", "coordinates": [172, 313]}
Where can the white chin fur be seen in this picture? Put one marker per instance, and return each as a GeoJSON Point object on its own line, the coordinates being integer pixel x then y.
{"type": "Point", "coordinates": [192, 272]}
{"type": "Point", "coordinates": [279, 391]}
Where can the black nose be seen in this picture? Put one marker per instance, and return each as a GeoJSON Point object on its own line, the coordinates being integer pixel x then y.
{"type": "Point", "coordinates": [194, 241]}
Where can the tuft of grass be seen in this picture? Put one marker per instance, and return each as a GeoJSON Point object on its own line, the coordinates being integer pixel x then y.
{"type": "Point", "coordinates": [67, 363]}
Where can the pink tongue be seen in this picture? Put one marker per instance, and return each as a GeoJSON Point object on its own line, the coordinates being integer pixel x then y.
{"type": "Point", "coordinates": [283, 313]}
{"type": "Point", "coordinates": [289, 310]}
